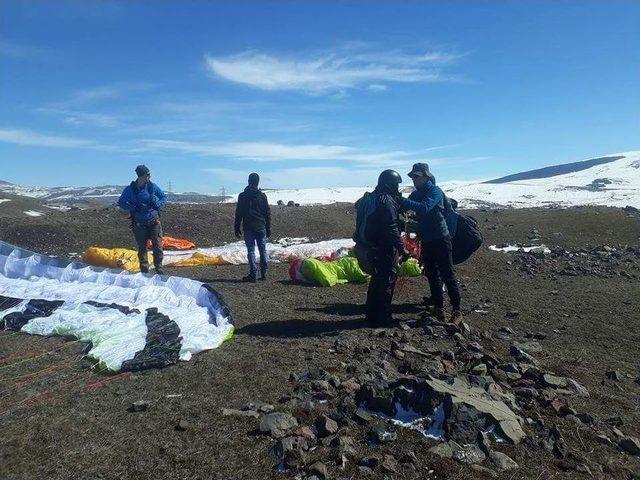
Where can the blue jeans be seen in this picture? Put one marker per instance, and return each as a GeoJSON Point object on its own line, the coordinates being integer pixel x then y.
{"type": "Point", "coordinates": [252, 238]}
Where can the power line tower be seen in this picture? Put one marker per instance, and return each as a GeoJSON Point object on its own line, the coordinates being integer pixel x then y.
{"type": "Point", "coordinates": [170, 187]}
{"type": "Point", "coordinates": [223, 192]}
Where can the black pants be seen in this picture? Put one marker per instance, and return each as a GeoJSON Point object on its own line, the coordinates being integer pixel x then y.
{"type": "Point", "coordinates": [144, 232]}
{"type": "Point", "coordinates": [381, 285]}
{"type": "Point", "coordinates": [436, 256]}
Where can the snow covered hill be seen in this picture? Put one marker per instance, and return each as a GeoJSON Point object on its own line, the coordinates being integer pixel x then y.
{"type": "Point", "coordinates": [615, 183]}
{"type": "Point", "coordinates": [613, 180]}
{"type": "Point", "coordinates": [101, 195]}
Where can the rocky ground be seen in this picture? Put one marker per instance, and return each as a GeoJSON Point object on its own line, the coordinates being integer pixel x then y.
{"type": "Point", "coordinates": [541, 382]}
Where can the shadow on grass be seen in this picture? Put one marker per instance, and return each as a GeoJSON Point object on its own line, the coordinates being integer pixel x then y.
{"type": "Point", "coordinates": [301, 328]}
{"type": "Point", "coordinates": [352, 309]}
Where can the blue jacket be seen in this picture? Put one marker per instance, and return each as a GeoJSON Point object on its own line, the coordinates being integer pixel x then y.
{"type": "Point", "coordinates": [436, 218]}
{"type": "Point", "coordinates": [144, 204]}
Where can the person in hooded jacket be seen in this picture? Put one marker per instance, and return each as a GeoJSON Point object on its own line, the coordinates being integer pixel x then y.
{"type": "Point", "coordinates": [254, 216]}
{"type": "Point", "coordinates": [382, 234]}
{"type": "Point", "coordinates": [143, 199]}
{"type": "Point", "coordinates": [437, 221]}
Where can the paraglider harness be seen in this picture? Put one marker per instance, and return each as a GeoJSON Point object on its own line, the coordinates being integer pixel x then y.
{"type": "Point", "coordinates": [136, 189]}
{"type": "Point", "coordinates": [365, 207]}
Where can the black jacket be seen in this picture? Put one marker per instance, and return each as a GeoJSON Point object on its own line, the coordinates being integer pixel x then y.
{"type": "Point", "coordinates": [383, 225]}
{"type": "Point", "coordinates": [253, 211]}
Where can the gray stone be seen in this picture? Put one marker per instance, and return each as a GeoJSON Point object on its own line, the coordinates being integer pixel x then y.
{"type": "Point", "coordinates": [382, 434]}
{"type": "Point", "coordinates": [293, 444]}
{"type": "Point", "coordinates": [319, 469]}
{"type": "Point", "coordinates": [445, 449]}
{"type": "Point", "coordinates": [502, 462]}
{"type": "Point", "coordinates": [277, 424]}
{"type": "Point", "coordinates": [182, 425]}
{"type": "Point", "coordinates": [389, 464]}
{"type": "Point", "coordinates": [553, 381]}
{"type": "Point", "coordinates": [232, 412]}
{"type": "Point", "coordinates": [469, 454]}
{"type": "Point", "coordinates": [460, 392]}
{"type": "Point", "coordinates": [362, 416]}
{"type": "Point", "coordinates": [480, 369]}
{"type": "Point", "coordinates": [139, 406]}
{"type": "Point", "coordinates": [326, 426]}
{"type": "Point", "coordinates": [484, 471]}
{"type": "Point", "coordinates": [521, 355]}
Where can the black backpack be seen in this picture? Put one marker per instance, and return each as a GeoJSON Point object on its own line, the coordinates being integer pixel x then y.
{"type": "Point", "coordinates": [365, 206]}
{"type": "Point", "coordinates": [468, 238]}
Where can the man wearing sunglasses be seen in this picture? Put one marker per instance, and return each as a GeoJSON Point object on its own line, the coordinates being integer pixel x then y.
{"type": "Point", "coordinates": [143, 199]}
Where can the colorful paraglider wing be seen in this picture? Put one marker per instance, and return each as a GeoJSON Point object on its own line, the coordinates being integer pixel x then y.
{"type": "Point", "coordinates": [133, 321]}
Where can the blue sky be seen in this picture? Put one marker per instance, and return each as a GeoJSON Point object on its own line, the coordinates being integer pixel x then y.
{"type": "Point", "coordinates": [311, 94]}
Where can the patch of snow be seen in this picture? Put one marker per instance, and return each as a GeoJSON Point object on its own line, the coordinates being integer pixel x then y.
{"type": "Point", "coordinates": [33, 213]}
{"type": "Point", "coordinates": [516, 248]}
{"type": "Point", "coordinates": [2, 200]}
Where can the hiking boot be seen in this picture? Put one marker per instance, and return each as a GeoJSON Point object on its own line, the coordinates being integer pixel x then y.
{"type": "Point", "coordinates": [438, 312]}
{"type": "Point", "coordinates": [434, 312]}
{"type": "Point", "coordinates": [159, 271]}
{"type": "Point", "coordinates": [144, 269]}
{"type": "Point", "coordinates": [263, 278]}
{"type": "Point", "coordinates": [249, 279]}
{"type": "Point", "coordinates": [456, 317]}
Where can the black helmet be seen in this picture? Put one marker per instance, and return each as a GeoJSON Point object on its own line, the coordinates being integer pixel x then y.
{"type": "Point", "coordinates": [389, 180]}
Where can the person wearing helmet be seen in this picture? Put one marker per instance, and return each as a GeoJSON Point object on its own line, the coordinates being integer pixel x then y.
{"type": "Point", "coordinates": [382, 234]}
{"type": "Point", "coordinates": [433, 209]}
{"type": "Point", "coordinates": [143, 199]}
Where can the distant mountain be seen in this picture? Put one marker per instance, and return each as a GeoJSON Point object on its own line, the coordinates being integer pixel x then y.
{"type": "Point", "coordinates": [100, 195]}
{"type": "Point", "coordinates": [555, 170]}
{"type": "Point", "coordinates": [612, 180]}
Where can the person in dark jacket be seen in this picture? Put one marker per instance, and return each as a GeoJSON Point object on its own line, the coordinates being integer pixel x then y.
{"type": "Point", "coordinates": [254, 215]}
{"type": "Point", "coordinates": [382, 234]}
{"type": "Point", "coordinates": [435, 218]}
{"type": "Point", "coordinates": [143, 199]}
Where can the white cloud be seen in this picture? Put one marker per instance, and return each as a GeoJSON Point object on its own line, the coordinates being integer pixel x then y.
{"type": "Point", "coordinates": [76, 117]}
{"type": "Point", "coordinates": [277, 152]}
{"type": "Point", "coordinates": [257, 151]}
{"type": "Point", "coordinates": [110, 91]}
{"type": "Point", "coordinates": [330, 72]}
{"type": "Point", "coordinates": [30, 138]}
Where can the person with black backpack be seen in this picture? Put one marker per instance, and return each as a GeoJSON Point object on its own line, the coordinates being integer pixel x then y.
{"type": "Point", "coordinates": [435, 215]}
{"type": "Point", "coordinates": [143, 199]}
{"type": "Point", "coordinates": [254, 215]}
{"type": "Point", "coordinates": [378, 244]}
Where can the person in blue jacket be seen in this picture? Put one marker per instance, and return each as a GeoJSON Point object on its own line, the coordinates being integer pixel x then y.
{"type": "Point", "coordinates": [143, 199]}
{"type": "Point", "coordinates": [436, 227]}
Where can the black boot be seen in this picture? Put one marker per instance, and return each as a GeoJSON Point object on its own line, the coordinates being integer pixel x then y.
{"type": "Point", "coordinates": [159, 270]}
{"type": "Point", "coordinates": [249, 279]}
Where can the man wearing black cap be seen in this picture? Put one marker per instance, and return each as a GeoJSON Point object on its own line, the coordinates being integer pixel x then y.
{"type": "Point", "coordinates": [433, 210]}
{"type": "Point", "coordinates": [382, 235]}
{"type": "Point", "coordinates": [143, 199]}
{"type": "Point", "coordinates": [253, 213]}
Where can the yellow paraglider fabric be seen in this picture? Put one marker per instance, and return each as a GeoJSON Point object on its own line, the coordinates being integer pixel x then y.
{"type": "Point", "coordinates": [199, 260]}
{"type": "Point", "coordinates": [113, 258]}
